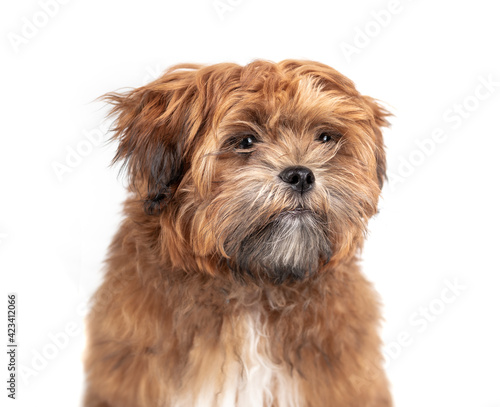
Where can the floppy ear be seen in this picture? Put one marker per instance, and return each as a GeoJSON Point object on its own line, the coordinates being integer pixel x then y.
{"type": "Point", "coordinates": [380, 115]}
{"type": "Point", "coordinates": [153, 124]}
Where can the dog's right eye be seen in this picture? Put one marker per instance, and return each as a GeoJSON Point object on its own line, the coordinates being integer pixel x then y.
{"type": "Point", "coordinates": [247, 142]}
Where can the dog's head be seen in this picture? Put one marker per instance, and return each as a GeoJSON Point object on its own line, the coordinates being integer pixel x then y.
{"type": "Point", "coordinates": [272, 169]}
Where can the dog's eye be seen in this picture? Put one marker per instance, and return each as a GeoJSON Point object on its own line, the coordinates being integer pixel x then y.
{"type": "Point", "coordinates": [247, 142]}
{"type": "Point", "coordinates": [326, 137]}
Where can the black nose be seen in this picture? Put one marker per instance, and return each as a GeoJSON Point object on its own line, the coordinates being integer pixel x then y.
{"type": "Point", "coordinates": [301, 179]}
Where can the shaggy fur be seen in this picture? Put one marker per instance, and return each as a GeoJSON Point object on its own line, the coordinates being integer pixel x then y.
{"type": "Point", "coordinates": [227, 285]}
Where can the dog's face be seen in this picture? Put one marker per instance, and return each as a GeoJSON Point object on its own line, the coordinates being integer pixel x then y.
{"type": "Point", "coordinates": [270, 169]}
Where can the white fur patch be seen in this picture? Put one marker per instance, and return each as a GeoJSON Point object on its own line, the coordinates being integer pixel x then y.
{"type": "Point", "coordinates": [242, 377]}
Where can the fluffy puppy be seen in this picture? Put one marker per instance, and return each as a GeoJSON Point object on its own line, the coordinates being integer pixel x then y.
{"type": "Point", "coordinates": [233, 279]}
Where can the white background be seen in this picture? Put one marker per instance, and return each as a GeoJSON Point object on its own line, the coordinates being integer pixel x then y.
{"type": "Point", "coordinates": [438, 223]}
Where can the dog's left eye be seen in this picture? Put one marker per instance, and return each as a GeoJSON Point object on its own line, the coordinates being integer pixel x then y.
{"type": "Point", "coordinates": [326, 137]}
{"type": "Point", "coordinates": [247, 142]}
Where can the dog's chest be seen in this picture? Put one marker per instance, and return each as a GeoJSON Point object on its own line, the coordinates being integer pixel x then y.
{"type": "Point", "coordinates": [238, 372]}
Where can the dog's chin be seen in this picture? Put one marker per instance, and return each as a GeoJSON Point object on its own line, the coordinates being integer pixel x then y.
{"type": "Point", "coordinates": [289, 248]}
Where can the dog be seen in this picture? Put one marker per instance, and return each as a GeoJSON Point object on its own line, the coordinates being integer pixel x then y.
{"type": "Point", "coordinates": [234, 279]}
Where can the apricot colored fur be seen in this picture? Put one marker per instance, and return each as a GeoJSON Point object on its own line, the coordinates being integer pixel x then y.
{"type": "Point", "coordinates": [211, 256]}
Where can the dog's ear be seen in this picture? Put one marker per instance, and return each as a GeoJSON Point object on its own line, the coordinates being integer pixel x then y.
{"type": "Point", "coordinates": [379, 120]}
{"type": "Point", "coordinates": [153, 125]}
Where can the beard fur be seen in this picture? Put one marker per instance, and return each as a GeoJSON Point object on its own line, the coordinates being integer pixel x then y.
{"type": "Point", "coordinates": [289, 248]}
